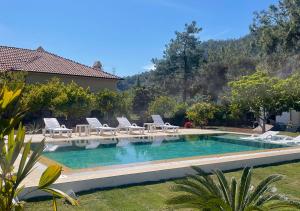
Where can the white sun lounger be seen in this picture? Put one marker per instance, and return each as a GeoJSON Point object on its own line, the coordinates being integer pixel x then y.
{"type": "Point", "coordinates": [52, 125]}
{"type": "Point", "coordinates": [95, 124]}
{"type": "Point", "coordinates": [288, 140]}
{"type": "Point", "coordinates": [158, 122]}
{"type": "Point", "coordinates": [125, 124]}
{"type": "Point", "coordinates": [264, 136]}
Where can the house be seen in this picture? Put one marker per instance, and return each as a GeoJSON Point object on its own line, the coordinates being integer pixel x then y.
{"type": "Point", "coordinates": [42, 65]}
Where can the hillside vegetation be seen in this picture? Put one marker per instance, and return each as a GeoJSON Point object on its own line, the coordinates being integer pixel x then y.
{"type": "Point", "coordinates": [191, 70]}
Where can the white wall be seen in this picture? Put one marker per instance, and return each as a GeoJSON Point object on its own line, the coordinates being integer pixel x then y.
{"type": "Point", "coordinates": [286, 117]}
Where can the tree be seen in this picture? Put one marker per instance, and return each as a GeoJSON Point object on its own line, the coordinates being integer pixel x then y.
{"type": "Point", "coordinates": [256, 93]}
{"type": "Point", "coordinates": [58, 99]}
{"type": "Point", "coordinates": [181, 58]}
{"type": "Point", "coordinates": [278, 28]}
{"type": "Point", "coordinates": [74, 101]}
{"type": "Point", "coordinates": [218, 63]}
{"type": "Point", "coordinates": [163, 105]}
{"type": "Point", "coordinates": [203, 192]}
{"type": "Point", "coordinates": [43, 97]}
{"type": "Point", "coordinates": [13, 79]}
{"type": "Point", "coordinates": [110, 103]}
{"type": "Point", "coordinates": [201, 112]}
{"type": "Point", "coordinates": [213, 79]}
{"type": "Point", "coordinates": [179, 115]}
{"type": "Point", "coordinates": [141, 100]}
{"type": "Point", "coordinates": [16, 148]}
{"type": "Point", "coordinates": [288, 91]}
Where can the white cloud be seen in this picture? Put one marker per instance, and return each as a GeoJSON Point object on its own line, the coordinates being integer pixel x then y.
{"type": "Point", "coordinates": [221, 33]}
{"type": "Point", "coordinates": [148, 67]}
{"type": "Point", "coordinates": [215, 36]}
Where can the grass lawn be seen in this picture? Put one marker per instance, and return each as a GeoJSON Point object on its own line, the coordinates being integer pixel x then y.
{"type": "Point", "coordinates": [153, 196]}
{"type": "Point", "coordinates": [289, 133]}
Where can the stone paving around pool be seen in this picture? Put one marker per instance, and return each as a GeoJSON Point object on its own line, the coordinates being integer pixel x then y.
{"type": "Point", "coordinates": [112, 176]}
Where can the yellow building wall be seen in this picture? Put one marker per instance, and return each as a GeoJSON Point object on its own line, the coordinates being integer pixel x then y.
{"type": "Point", "coordinates": [95, 84]}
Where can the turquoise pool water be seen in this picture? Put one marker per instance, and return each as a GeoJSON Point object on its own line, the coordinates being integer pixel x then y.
{"type": "Point", "coordinates": [87, 154]}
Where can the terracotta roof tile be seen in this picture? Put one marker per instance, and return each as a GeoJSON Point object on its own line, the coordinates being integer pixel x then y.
{"type": "Point", "coordinates": [42, 61]}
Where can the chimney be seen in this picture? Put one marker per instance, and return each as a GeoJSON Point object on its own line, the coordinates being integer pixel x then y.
{"type": "Point", "coordinates": [97, 65]}
{"type": "Point", "coordinates": [40, 49]}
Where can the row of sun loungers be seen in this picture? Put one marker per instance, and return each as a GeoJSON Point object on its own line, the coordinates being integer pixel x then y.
{"type": "Point", "coordinates": [53, 127]}
{"type": "Point", "coordinates": [266, 135]}
{"type": "Point", "coordinates": [287, 140]}
{"type": "Point", "coordinates": [273, 137]}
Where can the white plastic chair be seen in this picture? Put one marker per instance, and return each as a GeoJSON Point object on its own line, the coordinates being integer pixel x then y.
{"type": "Point", "coordinates": [95, 124]}
{"type": "Point", "coordinates": [125, 124]}
{"type": "Point", "coordinates": [288, 140]}
{"type": "Point", "coordinates": [159, 122]}
{"type": "Point", "coordinates": [264, 136]}
{"type": "Point", "coordinates": [53, 126]}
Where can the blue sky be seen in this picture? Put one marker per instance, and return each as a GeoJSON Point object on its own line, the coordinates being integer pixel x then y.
{"type": "Point", "coordinates": [123, 35]}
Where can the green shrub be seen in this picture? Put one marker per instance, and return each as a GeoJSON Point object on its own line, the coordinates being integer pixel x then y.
{"type": "Point", "coordinates": [13, 79]}
{"type": "Point", "coordinates": [201, 112]}
{"type": "Point", "coordinates": [163, 105]}
{"type": "Point", "coordinates": [74, 101]}
{"type": "Point", "coordinates": [42, 96]}
{"type": "Point", "coordinates": [142, 97]}
{"type": "Point", "coordinates": [111, 103]}
{"type": "Point", "coordinates": [68, 100]}
{"type": "Point", "coordinates": [179, 115]}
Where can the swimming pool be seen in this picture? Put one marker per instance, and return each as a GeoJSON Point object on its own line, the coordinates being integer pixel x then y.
{"type": "Point", "coordinates": [94, 153]}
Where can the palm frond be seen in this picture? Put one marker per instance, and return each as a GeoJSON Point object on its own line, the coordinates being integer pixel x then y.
{"type": "Point", "coordinates": [201, 192]}
{"type": "Point", "coordinates": [207, 180]}
{"type": "Point", "coordinates": [288, 204]}
{"type": "Point", "coordinates": [224, 185]}
{"type": "Point", "coordinates": [245, 183]}
{"type": "Point", "coordinates": [262, 187]}
{"type": "Point", "coordinates": [233, 190]}
{"type": "Point", "coordinates": [196, 190]}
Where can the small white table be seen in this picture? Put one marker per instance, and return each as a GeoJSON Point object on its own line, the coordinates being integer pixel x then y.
{"type": "Point", "coordinates": [85, 129]}
{"type": "Point", "coordinates": [150, 127]}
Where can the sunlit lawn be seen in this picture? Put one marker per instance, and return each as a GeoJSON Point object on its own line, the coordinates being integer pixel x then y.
{"type": "Point", "coordinates": [153, 196]}
{"type": "Point", "coordinates": [292, 134]}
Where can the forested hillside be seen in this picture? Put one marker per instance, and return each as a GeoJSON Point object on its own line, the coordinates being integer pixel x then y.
{"type": "Point", "coordinates": [191, 70]}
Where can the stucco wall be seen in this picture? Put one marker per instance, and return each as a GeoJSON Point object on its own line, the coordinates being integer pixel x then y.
{"type": "Point", "coordinates": [287, 117]}
{"type": "Point", "coordinates": [95, 84]}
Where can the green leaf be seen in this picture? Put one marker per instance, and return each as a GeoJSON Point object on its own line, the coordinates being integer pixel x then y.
{"type": "Point", "coordinates": [31, 162]}
{"type": "Point", "coordinates": [25, 154]}
{"type": "Point", "coordinates": [61, 194]}
{"type": "Point", "coordinates": [19, 206]}
{"type": "Point", "coordinates": [245, 183]}
{"type": "Point", "coordinates": [224, 185]}
{"type": "Point", "coordinates": [49, 176]}
{"type": "Point", "coordinates": [263, 186]}
{"type": "Point", "coordinates": [54, 204]}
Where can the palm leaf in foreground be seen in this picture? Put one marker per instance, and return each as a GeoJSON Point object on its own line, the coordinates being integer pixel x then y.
{"type": "Point", "coordinates": [206, 192]}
